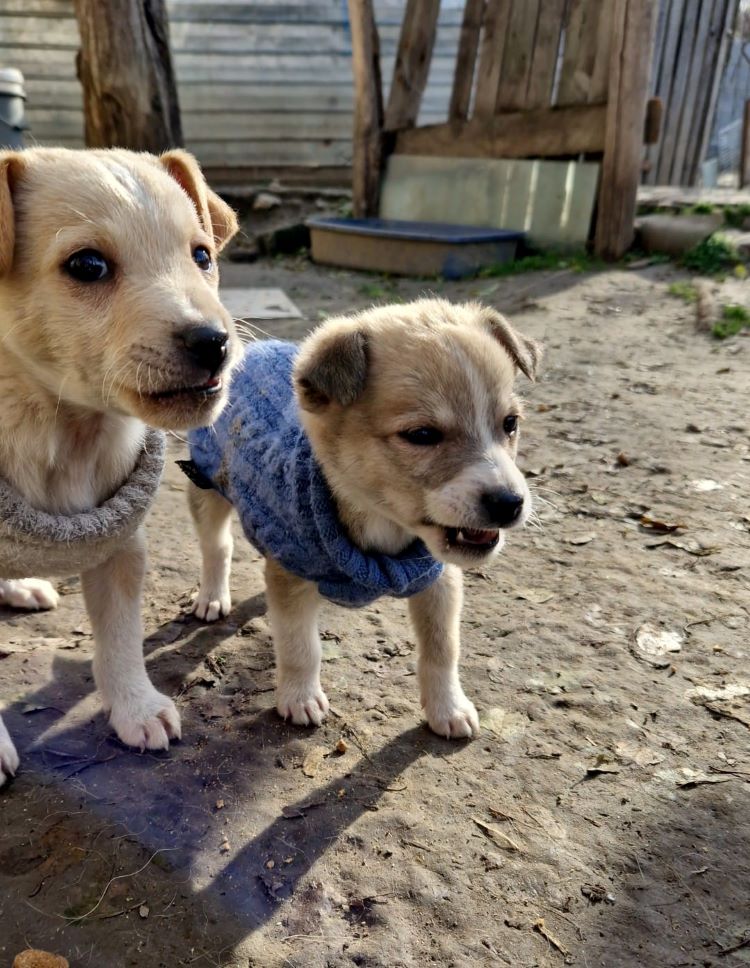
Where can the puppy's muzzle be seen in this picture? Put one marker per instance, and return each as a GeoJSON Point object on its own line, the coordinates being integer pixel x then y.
{"type": "Point", "coordinates": [205, 346]}
{"type": "Point", "coordinates": [502, 507]}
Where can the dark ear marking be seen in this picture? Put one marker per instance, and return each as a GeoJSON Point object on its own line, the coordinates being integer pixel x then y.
{"type": "Point", "coordinates": [333, 370]}
{"type": "Point", "coordinates": [526, 353]}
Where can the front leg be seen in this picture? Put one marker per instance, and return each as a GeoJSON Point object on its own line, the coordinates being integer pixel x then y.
{"type": "Point", "coordinates": [140, 715]}
{"type": "Point", "coordinates": [293, 605]}
{"type": "Point", "coordinates": [436, 615]}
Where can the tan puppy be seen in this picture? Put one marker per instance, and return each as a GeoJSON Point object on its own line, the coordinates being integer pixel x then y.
{"type": "Point", "coordinates": [411, 417]}
{"type": "Point", "coordinates": [109, 320]}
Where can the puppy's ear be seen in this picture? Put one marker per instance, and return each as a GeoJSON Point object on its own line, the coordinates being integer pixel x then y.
{"type": "Point", "coordinates": [526, 353]}
{"type": "Point", "coordinates": [11, 165]}
{"type": "Point", "coordinates": [217, 217]}
{"type": "Point", "coordinates": [331, 368]}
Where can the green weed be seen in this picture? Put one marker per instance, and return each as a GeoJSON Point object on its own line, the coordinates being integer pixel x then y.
{"type": "Point", "coordinates": [713, 256]}
{"type": "Point", "coordinates": [683, 290]}
{"type": "Point", "coordinates": [733, 320]}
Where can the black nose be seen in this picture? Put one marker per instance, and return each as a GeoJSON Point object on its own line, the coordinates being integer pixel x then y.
{"type": "Point", "coordinates": [502, 507]}
{"type": "Point", "coordinates": [206, 346]}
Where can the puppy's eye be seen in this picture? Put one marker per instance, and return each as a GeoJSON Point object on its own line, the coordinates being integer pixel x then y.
{"type": "Point", "coordinates": [202, 257]}
{"type": "Point", "coordinates": [88, 265]}
{"type": "Point", "coordinates": [422, 436]}
{"type": "Point", "coordinates": [510, 424]}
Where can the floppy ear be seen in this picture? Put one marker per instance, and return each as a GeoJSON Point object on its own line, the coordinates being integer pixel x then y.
{"type": "Point", "coordinates": [11, 164]}
{"type": "Point", "coordinates": [216, 216]}
{"type": "Point", "coordinates": [526, 353]}
{"type": "Point", "coordinates": [331, 368]}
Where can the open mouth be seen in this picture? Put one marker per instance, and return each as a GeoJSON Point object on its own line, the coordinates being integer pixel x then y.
{"type": "Point", "coordinates": [202, 390]}
{"type": "Point", "coordinates": [473, 540]}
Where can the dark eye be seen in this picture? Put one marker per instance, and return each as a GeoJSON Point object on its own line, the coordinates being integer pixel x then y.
{"type": "Point", "coordinates": [510, 424]}
{"type": "Point", "coordinates": [88, 265]}
{"type": "Point", "coordinates": [202, 257]}
{"type": "Point", "coordinates": [422, 436]}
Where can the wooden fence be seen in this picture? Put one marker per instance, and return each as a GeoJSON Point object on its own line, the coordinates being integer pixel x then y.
{"type": "Point", "coordinates": [692, 42]}
{"type": "Point", "coordinates": [261, 83]}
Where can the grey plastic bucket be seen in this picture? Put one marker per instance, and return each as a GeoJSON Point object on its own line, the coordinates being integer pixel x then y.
{"type": "Point", "coordinates": [12, 99]}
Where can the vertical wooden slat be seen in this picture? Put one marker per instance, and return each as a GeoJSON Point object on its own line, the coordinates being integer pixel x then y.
{"type": "Point", "coordinates": [631, 45]}
{"type": "Point", "coordinates": [519, 48]}
{"type": "Point", "coordinates": [673, 104]}
{"type": "Point", "coordinates": [580, 51]}
{"type": "Point", "coordinates": [729, 19]}
{"type": "Point", "coordinates": [599, 87]}
{"type": "Point", "coordinates": [491, 52]}
{"type": "Point", "coordinates": [658, 80]}
{"type": "Point", "coordinates": [468, 44]}
{"type": "Point", "coordinates": [708, 66]}
{"type": "Point", "coordinates": [412, 63]}
{"type": "Point", "coordinates": [544, 58]}
{"type": "Point", "coordinates": [745, 148]}
{"type": "Point", "coordinates": [367, 147]}
{"type": "Point", "coordinates": [694, 79]}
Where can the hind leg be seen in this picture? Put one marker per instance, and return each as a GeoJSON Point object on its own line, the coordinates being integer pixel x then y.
{"type": "Point", "coordinates": [212, 517]}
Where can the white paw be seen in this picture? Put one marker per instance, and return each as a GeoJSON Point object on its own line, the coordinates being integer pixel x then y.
{"type": "Point", "coordinates": [453, 716]}
{"type": "Point", "coordinates": [210, 605]}
{"type": "Point", "coordinates": [147, 721]}
{"type": "Point", "coordinates": [304, 703]}
{"type": "Point", "coordinates": [8, 756]}
{"type": "Point", "coordinates": [30, 594]}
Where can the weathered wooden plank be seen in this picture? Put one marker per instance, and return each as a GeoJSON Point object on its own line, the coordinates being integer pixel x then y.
{"type": "Point", "coordinates": [468, 45]}
{"type": "Point", "coordinates": [519, 50]}
{"type": "Point", "coordinates": [549, 133]}
{"type": "Point", "coordinates": [412, 63]}
{"type": "Point", "coordinates": [544, 59]}
{"type": "Point", "coordinates": [745, 148]}
{"type": "Point", "coordinates": [491, 52]}
{"type": "Point", "coordinates": [631, 46]}
{"type": "Point", "coordinates": [600, 74]}
{"type": "Point", "coordinates": [367, 141]}
{"type": "Point", "coordinates": [685, 32]}
{"type": "Point", "coordinates": [695, 78]}
{"type": "Point", "coordinates": [579, 53]}
{"type": "Point", "coordinates": [722, 52]}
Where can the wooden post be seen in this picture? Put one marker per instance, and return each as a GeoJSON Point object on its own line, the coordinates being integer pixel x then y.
{"type": "Point", "coordinates": [745, 148]}
{"type": "Point", "coordinates": [630, 58]}
{"type": "Point", "coordinates": [367, 147]}
{"type": "Point", "coordinates": [412, 63]}
{"type": "Point", "coordinates": [125, 68]}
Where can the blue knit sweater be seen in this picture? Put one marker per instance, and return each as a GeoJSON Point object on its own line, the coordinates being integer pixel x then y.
{"type": "Point", "coordinates": [258, 456]}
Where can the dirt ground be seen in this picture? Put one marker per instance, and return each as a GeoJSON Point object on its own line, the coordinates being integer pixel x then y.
{"type": "Point", "coordinates": [603, 816]}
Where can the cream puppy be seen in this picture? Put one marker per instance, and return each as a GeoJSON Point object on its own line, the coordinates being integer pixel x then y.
{"type": "Point", "coordinates": [378, 459]}
{"type": "Point", "coordinates": [110, 320]}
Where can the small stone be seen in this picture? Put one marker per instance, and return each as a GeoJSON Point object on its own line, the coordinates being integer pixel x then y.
{"type": "Point", "coordinates": [341, 746]}
{"type": "Point", "coordinates": [143, 911]}
{"type": "Point", "coordinates": [219, 804]}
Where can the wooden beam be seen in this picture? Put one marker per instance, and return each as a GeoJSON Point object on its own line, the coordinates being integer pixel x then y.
{"type": "Point", "coordinates": [634, 23]}
{"type": "Point", "coordinates": [745, 148]}
{"type": "Point", "coordinates": [412, 63]}
{"type": "Point", "coordinates": [549, 133]}
{"type": "Point", "coordinates": [544, 57]}
{"type": "Point", "coordinates": [718, 74]}
{"type": "Point", "coordinates": [468, 44]}
{"type": "Point", "coordinates": [367, 147]}
{"type": "Point", "coordinates": [519, 51]}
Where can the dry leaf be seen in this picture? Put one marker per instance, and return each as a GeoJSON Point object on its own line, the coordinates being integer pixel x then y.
{"type": "Point", "coordinates": [502, 722]}
{"type": "Point", "coordinates": [656, 526]}
{"type": "Point", "coordinates": [690, 545]}
{"type": "Point", "coordinates": [313, 760]}
{"type": "Point", "coordinates": [539, 926]}
{"type": "Point", "coordinates": [582, 539]}
{"type": "Point", "coordinates": [724, 701]}
{"type": "Point", "coordinates": [496, 835]}
{"type": "Point", "coordinates": [630, 752]}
